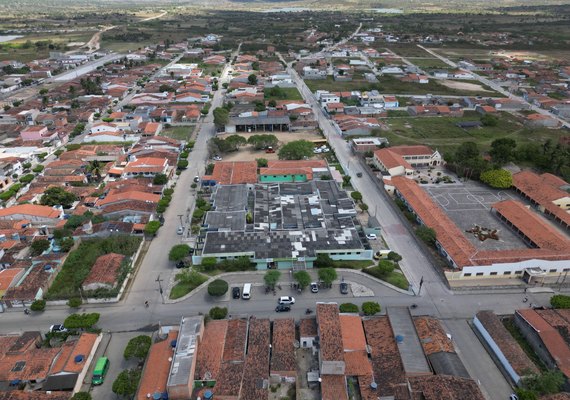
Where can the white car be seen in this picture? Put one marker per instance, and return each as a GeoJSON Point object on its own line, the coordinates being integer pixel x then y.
{"type": "Point", "coordinates": [314, 287]}
{"type": "Point", "coordinates": [180, 230]}
{"type": "Point", "coordinates": [371, 236]}
{"type": "Point", "coordinates": [217, 158]}
{"type": "Point", "coordinates": [317, 151]}
{"type": "Point", "coordinates": [286, 300]}
{"type": "Point", "coordinates": [57, 328]}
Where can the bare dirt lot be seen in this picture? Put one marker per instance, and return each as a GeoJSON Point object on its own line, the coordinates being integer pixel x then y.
{"type": "Point", "coordinates": [464, 86]}
{"type": "Point", "coordinates": [247, 153]}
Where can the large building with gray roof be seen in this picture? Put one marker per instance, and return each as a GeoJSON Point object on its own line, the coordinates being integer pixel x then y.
{"type": "Point", "coordinates": [282, 225]}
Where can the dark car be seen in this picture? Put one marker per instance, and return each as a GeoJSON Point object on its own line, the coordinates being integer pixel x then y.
{"type": "Point", "coordinates": [359, 174]}
{"type": "Point", "coordinates": [235, 293]}
{"type": "Point", "coordinates": [282, 308]}
{"type": "Point", "coordinates": [180, 264]}
{"type": "Point", "coordinates": [344, 288]}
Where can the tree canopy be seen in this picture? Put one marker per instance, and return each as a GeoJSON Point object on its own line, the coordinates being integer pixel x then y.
{"type": "Point", "coordinates": [81, 321]}
{"type": "Point", "coordinates": [260, 142]}
{"type": "Point", "coordinates": [221, 116]}
{"type": "Point", "coordinates": [502, 150]}
{"type": "Point", "coordinates": [497, 178]}
{"type": "Point", "coordinates": [271, 277]}
{"type": "Point", "coordinates": [426, 234]}
{"type": "Point", "coordinates": [127, 382]}
{"type": "Point", "coordinates": [303, 278]}
{"type": "Point", "coordinates": [296, 150]}
{"type": "Point", "coordinates": [55, 196]}
{"type": "Point", "coordinates": [178, 252]}
{"type": "Point", "coordinates": [327, 275]}
{"type": "Point", "coordinates": [217, 287]}
{"type": "Point", "coordinates": [252, 79]}
{"type": "Point", "coordinates": [138, 347]}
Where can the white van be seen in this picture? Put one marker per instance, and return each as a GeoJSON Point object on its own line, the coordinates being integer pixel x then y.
{"type": "Point", "coordinates": [246, 293]}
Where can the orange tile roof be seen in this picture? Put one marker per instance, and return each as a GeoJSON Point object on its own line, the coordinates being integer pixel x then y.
{"type": "Point", "coordinates": [418, 150]}
{"type": "Point", "coordinates": [210, 350]}
{"type": "Point", "coordinates": [333, 387]}
{"type": "Point", "coordinates": [128, 196]}
{"type": "Point", "coordinates": [390, 159]}
{"type": "Point", "coordinates": [283, 346]}
{"type": "Point", "coordinates": [329, 325]}
{"type": "Point", "coordinates": [35, 395]}
{"type": "Point", "coordinates": [80, 347]}
{"type": "Point", "coordinates": [542, 192]}
{"type": "Point", "coordinates": [7, 277]}
{"type": "Point", "coordinates": [36, 367]}
{"type": "Point", "coordinates": [447, 233]}
{"type": "Point", "coordinates": [308, 327]}
{"type": "Point", "coordinates": [352, 332]}
{"type": "Point", "coordinates": [157, 367]}
{"type": "Point", "coordinates": [551, 338]}
{"type": "Point", "coordinates": [233, 172]}
{"type": "Point", "coordinates": [31, 209]}
{"type": "Point", "coordinates": [432, 336]}
{"type": "Point", "coordinates": [357, 363]}
{"type": "Point", "coordinates": [105, 269]}
{"type": "Point", "coordinates": [152, 127]}
{"type": "Point", "coordinates": [532, 225]}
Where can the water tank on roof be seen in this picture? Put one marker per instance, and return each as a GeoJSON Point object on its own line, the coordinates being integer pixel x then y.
{"type": "Point", "coordinates": [47, 267]}
{"type": "Point", "coordinates": [157, 396]}
{"type": "Point", "coordinates": [173, 343]}
{"type": "Point", "coordinates": [373, 386]}
{"type": "Point", "coordinates": [399, 338]}
{"type": "Point", "coordinates": [2, 238]}
{"type": "Point", "coordinates": [79, 358]}
{"type": "Point", "coordinates": [208, 395]}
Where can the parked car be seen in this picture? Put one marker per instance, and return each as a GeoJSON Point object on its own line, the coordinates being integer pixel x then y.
{"type": "Point", "coordinates": [286, 300]}
{"type": "Point", "coordinates": [282, 308]}
{"type": "Point", "coordinates": [359, 174]}
{"type": "Point", "coordinates": [269, 150]}
{"type": "Point", "coordinates": [236, 293]}
{"type": "Point", "coordinates": [344, 288]}
{"type": "Point", "coordinates": [314, 287]}
{"type": "Point", "coordinates": [57, 328]}
{"type": "Point", "coordinates": [371, 236]}
{"type": "Point", "coordinates": [217, 158]}
{"type": "Point", "coordinates": [196, 179]}
{"type": "Point", "coordinates": [513, 397]}
{"type": "Point", "coordinates": [180, 230]}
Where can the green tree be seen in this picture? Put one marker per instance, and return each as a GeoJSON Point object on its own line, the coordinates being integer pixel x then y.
{"type": "Point", "coordinates": [234, 142]}
{"type": "Point", "coordinates": [179, 252]}
{"type": "Point", "coordinates": [38, 168]}
{"type": "Point", "coordinates": [27, 178]}
{"type": "Point", "coordinates": [217, 288]}
{"type": "Point", "coordinates": [371, 308]}
{"type": "Point", "coordinates": [393, 256]}
{"type": "Point", "coordinates": [348, 308]}
{"type": "Point", "coordinates": [218, 312]}
{"type": "Point", "coordinates": [497, 178]}
{"type": "Point", "coordinates": [525, 394]}
{"type": "Point", "coordinates": [303, 278]}
{"type": "Point", "coordinates": [81, 396]}
{"type": "Point", "coordinates": [252, 79]}
{"type": "Point", "coordinates": [356, 196]}
{"type": "Point", "coordinates": [138, 347]}
{"type": "Point", "coordinates": [502, 150]}
{"type": "Point", "coordinates": [74, 302]}
{"type": "Point", "coordinates": [560, 301]}
{"type": "Point", "coordinates": [327, 275]}
{"type": "Point", "coordinates": [127, 382]}
{"type": "Point", "coordinates": [548, 382]}
{"type": "Point", "coordinates": [38, 305]}
{"type": "Point", "coordinates": [221, 117]}
{"type": "Point", "coordinates": [209, 263]}
{"type": "Point", "coordinates": [489, 120]}
{"type": "Point", "coordinates": [296, 150]}
{"type": "Point", "coordinates": [363, 207]}
{"type": "Point", "coordinates": [426, 234]}
{"type": "Point", "coordinates": [323, 261]}
{"type": "Point", "coordinates": [261, 162]}
{"type": "Point", "coordinates": [260, 142]}
{"type": "Point", "coordinates": [160, 179]}
{"type": "Point", "coordinates": [81, 321]}
{"type": "Point", "coordinates": [56, 195]}
{"type": "Point", "coordinates": [385, 267]}
{"type": "Point", "coordinates": [151, 228]}
{"type": "Point", "coordinates": [182, 164]}
{"type": "Point", "coordinates": [39, 246]}
{"type": "Point", "coordinates": [271, 278]}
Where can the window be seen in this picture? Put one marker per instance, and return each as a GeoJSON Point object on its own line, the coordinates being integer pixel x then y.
{"type": "Point", "coordinates": [552, 270]}
{"type": "Point", "coordinates": [518, 272]}
{"type": "Point", "coordinates": [493, 273]}
{"type": "Point", "coordinates": [467, 274]}
{"type": "Point", "coordinates": [566, 270]}
{"type": "Point", "coordinates": [479, 274]}
{"type": "Point", "coordinates": [507, 273]}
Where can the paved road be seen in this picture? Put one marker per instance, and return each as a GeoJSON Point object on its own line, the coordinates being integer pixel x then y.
{"type": "Point", "coordinates": [497, 88]}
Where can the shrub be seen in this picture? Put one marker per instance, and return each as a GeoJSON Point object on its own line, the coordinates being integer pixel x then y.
{"type": "Point", "coordinates": [348, 308]}
{"type": "Point", "coordinates": [152, 227]}
{"type": "Point", "coordinates": [560, 301]}
{"type": "Point", "coordinates": [393, 256]}
{"type": "Point", "coordinates": [237, 264]}
{"type": "Point", "coordinates": [497, 178]}
{"type": "Point", "coordinates": [217, 288]}
{"type": "Point", "coordinates": [323, 261]}
{"type": "Point", "coordinates": [75, 302]}
{"type": "Point", "coordinates": [160, 179]}
{"type": "Point", "coordinates": [218, 312]}
{"type": "Point", "coordinates": [198, 214]}
{"type": "Point", "coordinates": [182, 164]}
{"type": "Point", "coordinates": [39, 246]}
{"type": "Point", "coordinates": [81, 396]}
{"type": "Point", "coordinates": [370, 308]}
{"type": "Point", "coordinates": [209, 263]}
{"type": "Point", "coordinates": [178, 252]}
{"type": "Point", "coordinates": [38, 305]}
{"type": "Point", "coordinates": [138, 347]}
{"type": "Point", "coordinates": [81, 321]}
{"type": "Point", "coordinates": [426, 234]}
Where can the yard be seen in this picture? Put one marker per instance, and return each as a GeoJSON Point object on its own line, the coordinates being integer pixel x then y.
{"type": "Point", "coordinates": [187, 281]}
{"type": "Point", "coordinates": [282, 94]}
{"type": "Point", "coordinates": [178, 132]}
{"type": "Point", "coordinates": [442, 133]}
{"type": "Point", "coordinates": [427, 63]}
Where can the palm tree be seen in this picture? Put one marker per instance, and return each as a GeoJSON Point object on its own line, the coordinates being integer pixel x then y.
{"type": "Point", "coordinates": [94, 168]}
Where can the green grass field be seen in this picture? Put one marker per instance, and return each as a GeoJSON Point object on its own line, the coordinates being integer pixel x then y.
{"type": "Point", "coordinates": [178, 132]}
{"type": "Point", "coordinates": [428, 63]}
{"type": "Point", "coordinates": [443, 134]}
{"type": "Point", "coordinates": [288, 94]}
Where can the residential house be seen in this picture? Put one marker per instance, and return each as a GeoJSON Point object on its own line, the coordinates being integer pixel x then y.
{"type": "Point", "coordinates": [364, 145]}
{"type": "Point", "coordinates": [402, 160]}
{"type": "Point", "coordinates": [36, 281]}
{"type": "Point", "coordinates": [43, 215]}
{"type": "Point", "coordinates": [145, 166]}
{"type": "Point", "coordinates": [104, 273]}
{"type": "Point", "coordinates": [157, 367]}
{"type": "Point", "coordinates": [37, 133]}
{"type": "Point", "coordinates": [104, 127]}
{"type": "Point", "coordinates": [231, 173]}
{"type": "Point", "coordinates": [314, 73]}
{"type": "Point", "coordinates": [542, 121]}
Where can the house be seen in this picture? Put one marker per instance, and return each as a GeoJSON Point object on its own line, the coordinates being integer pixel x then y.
{"type": "Point", "coordinates": [392, 71]}
{"type": "Point", "coordinates": [462, 74]}
{"type": "Point", "coordinates": [390, 102]}
{"type": "Point", "coordinates": [308, 334]}
{"type": "Point", "coordinates": [44, 215]}
{"type": "Point", "coordinates": [36, 133]}
{"type": "Point", "coordinates": [104, 274]}
{"type": "Point", "coordinates": [36, 281]}
{"type": "Point", "coordinates": [541, 120]}
{"type": "Point", "coordinates": [292, 171]}
{"type": "Point", "coordinates": [484, 109]}
{"type": "Point", "coordinates": [152, 129]}
{"type": "Point", "coordinates": [364, 145]}
{"type": "Point", "coordinates": [155, 372]}
{"type": "Point", "coordinates": [314, 73]}
{"type": "Point", "coordinates": [145, 166]}
{"type": "Point", "coordinates": [231, 173]}
{"type": "Point", "coordinates": [506, 104]}
{"type": "Point", "coordinates": [334, 107]}
{"type": "Point", "coordinates": [326, 97]}
{"type": "Point", "coordinates": [127, 196]}
{"type": "Point", "coordinates": [415, 78]}
{"type": "Point", "coordinates": [104, 127]}
{"type": "Point", "coordinates": [403, 160]}
{"type": "Point", "coordinates": [9, 278]}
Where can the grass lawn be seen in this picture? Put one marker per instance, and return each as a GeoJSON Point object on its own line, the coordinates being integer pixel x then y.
{"type": "Point", "coordinates": [331, 85]}
{"type": "Point", "coordinates": [356, 264]}
{"type": "Point", "coordinates": [443, 134]}
{"type": "Point", "coordinates": [397, 279]}
{"type": "Point", "coordinates": [407, 50]}
{"type": "Point", "coordinates": [178, 132]}
{"type": "Point", "coordinates": [427, 63]}
{"type": "Point", "coordinates": [285, 94]}
{"type": "Point", "coordinates": [187, 281]}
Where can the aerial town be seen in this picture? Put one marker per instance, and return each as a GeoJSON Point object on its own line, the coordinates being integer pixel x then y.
{"type": "Point", "coordinates": [255, 202]}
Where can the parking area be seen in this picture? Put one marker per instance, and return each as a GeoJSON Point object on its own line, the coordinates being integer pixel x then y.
{"type": "Point", "coordinates": [469, 207]}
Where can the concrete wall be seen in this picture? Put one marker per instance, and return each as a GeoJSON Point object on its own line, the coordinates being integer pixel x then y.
{"type": "Point", "coordinates": [535, 341]}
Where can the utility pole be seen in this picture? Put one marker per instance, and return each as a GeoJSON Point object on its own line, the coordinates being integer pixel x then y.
{"type": "Point", "coordinates": [160, 287]}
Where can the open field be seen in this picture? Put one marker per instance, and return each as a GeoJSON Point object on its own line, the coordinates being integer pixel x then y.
{"type": "Point", "coordinates": [465, 86]}
{"type": "Point", "coordinates": [406, 50]}
{"type": "Point", "coordinates": [427, 63]}
{"type": "Point", "coordinates": [391, 85]}
{"type": "Point", "coordinates": [443, 134]}
{"type": "Point", "coordinates": [178, 132]}
{"type": "Point", "coordinates": [288, 94]}
{"type": "Point", "coordinates": [25, 49]}
{"type": "Point", "coordinates": [247, 153]}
